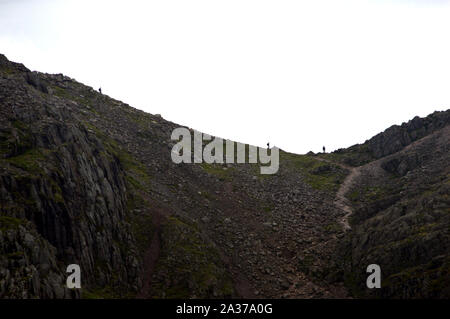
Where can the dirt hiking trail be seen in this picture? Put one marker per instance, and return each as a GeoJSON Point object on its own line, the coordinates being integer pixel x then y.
{"type": "Point", "coordinates": [340, 200]}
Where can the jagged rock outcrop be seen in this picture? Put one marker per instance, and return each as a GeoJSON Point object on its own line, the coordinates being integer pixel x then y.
{"type": "Point", "coordinates": [59, 176]}
{"type": "Point", "coordinates": [397, 137]}
{"type": "Point", "coordinates": [28, 263]}
{"type": "Point", "coordinates": [392, 139]}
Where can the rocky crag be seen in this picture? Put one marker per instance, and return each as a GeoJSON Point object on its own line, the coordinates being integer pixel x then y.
{"type": "Point", "coordinates": [400, 203]}
{"type": "Point", "coordinates": [86, 179]}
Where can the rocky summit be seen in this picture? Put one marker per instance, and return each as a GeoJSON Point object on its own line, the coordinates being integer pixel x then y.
{"type": "Point", "coordinates": [88, 180]}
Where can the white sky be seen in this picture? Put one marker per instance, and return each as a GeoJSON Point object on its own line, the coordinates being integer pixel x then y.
{"type": "Point", "coordinates": [300, 74]}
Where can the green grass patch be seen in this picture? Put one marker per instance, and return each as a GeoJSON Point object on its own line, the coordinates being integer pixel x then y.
{"type": "Point", "coordinates": [97, 293]}
{"type": "Point", "coordinates": [7, 222]}
{"type": "Point", "coordinates": [15, 140]}
{"type": "Point", "coordinates": [333, 228]}
{"type": "Point", "coordinates": [7, 69]}
{"type": "Point", "coordinates": [67, 94]}
{"type": "Point", "coordinates": [318, 174]}
{"type": "Point", "coordinates": [28, 161]}
{"type": "Point", "coordinates": [221, 172]}
{"type": "Point", "coordinates": [369, 194]}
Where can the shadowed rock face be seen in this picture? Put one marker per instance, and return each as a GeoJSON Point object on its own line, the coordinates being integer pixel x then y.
{"type": "Point", "coordinates": [86, 179]}
{"type": "Point", "coordinates": [62, 188]}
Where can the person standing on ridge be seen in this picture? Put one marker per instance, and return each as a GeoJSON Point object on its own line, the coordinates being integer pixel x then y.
{"type": "Point", "coordinates": [323, 149]}
{"type": "Point", "coordinates": [100, 90]}
{"type": "Point", "coordinates": [268, 145]}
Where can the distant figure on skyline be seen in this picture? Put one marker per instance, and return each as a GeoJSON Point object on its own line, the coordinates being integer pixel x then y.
{"type": "Point", "coordinates": [100, 90]}
{"type": "Point", "coordinates": [268, 145]}
{"type": "Point", "coordinates": [323, 149]}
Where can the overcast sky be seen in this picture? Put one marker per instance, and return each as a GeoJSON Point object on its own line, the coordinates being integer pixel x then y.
{"type": "Point", "coordinates": [300, 74]}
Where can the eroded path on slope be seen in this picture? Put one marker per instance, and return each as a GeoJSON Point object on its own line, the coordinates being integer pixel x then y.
{"type": "Point", "coordinates": [341, 201]}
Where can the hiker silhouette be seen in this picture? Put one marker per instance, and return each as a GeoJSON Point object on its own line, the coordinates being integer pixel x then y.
{"type": "Point", "coordinates": [100, 90]}
{"type": "Point", "coordinates": [323, 149]}
{"type": "Point", "coordinates": [268, 145]}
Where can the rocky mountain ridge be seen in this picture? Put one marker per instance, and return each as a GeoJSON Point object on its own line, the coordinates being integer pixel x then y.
{"type": "Point", "coordinates": [87, 179]}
